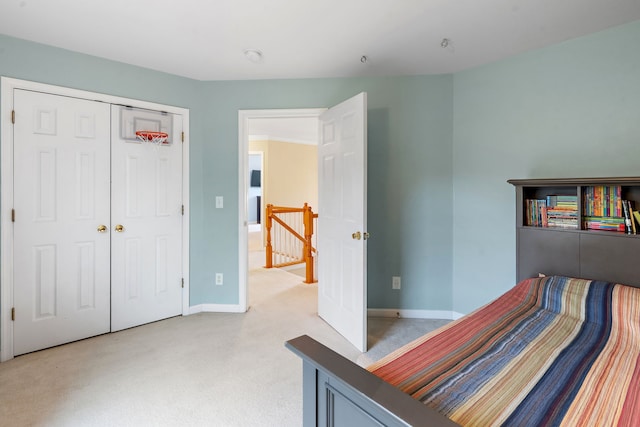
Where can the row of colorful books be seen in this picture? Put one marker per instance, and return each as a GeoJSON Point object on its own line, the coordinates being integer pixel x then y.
{"type": "Point", "coordinates": [607, 223]}
{"type": "Point", "coordinates": [540, 214]}
{"type": "Point", "coordinates": [553, 211]}
{"type": "Point", "coordinates": [602, 201]}
{"type": "Point", "coordinates": [628, 221]}
{"type": "Point", "coordinates": [603, 209]}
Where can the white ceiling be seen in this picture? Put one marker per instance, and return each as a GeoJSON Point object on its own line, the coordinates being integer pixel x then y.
{"type": "Point", "coordinates": [205, 39]}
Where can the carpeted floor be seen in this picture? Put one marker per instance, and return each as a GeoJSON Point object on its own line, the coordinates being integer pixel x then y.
{"type": "Point", "coordinates": [386, 334]}
{"type": "Point", "coordinates": [254, 239]}
{"type": "Point", "coordinates": [208, 369]}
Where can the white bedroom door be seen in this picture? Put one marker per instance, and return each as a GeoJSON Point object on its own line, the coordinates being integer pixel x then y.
{"type": "Point", "coordinates": [146, 220]}
{"type": "Point", "coordinates": [61, 203]}
{"type": "Point", "coordinates": [342, 219]}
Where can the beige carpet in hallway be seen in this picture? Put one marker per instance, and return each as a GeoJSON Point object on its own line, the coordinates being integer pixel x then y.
{"type": "Point", "coordinates": [208, 369]}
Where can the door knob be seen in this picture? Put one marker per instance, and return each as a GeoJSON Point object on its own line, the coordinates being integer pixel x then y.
{"type": "Point", "coordinates": [102, 229]}
{"type": "Point", "coordinates": [356, 236]}
{"type": "Point", "coordinates": [119, 228]}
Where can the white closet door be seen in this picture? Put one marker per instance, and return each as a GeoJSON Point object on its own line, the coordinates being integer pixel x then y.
{"type": "Point", "coordinates": [146, 200]}
{"type": "Point", "coordinates": [61, 200]}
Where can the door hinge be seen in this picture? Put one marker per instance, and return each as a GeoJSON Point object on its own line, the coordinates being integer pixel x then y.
{"type": "Point", "coordinates": [13, 215]}
{"type": "Point", "coordinates": [182, 209]}
{"type": "Point", "coordinates": [183, 282]}
{"type": "Point", "coordinates": [13, 116]}
{"type": "Point", "coordinates": [13, 313]}
{"type": "Point", "coordinates": [182, 136]}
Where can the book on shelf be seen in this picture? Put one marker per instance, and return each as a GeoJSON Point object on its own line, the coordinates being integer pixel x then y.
{"type": "Point", "coordinates": [636, 215]}
{"type": "Point", "coordinates": [629, 223]}
{"type": "Point", "coordinates": [562, 211]}
{"type": "Point", "coordinates": [602, 200]}
{"type": "Point", "coordinates": [563, 223]}
{"type": "Point", "coordinates": [552, 211]}
{"type": "Point", "coordinates": [607, 223]}
{"type": "Point", "coordinates": [603, 208]}
{"type": "Point", "coordinates": [562, 201]}
{"type": "Point", "coordinates": [536, 213]}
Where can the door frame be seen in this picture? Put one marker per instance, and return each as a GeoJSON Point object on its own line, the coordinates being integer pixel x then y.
{"type": "Point", "coordinates": [7, 86]}
{"type": "Point", "coordinates": [243, 173]}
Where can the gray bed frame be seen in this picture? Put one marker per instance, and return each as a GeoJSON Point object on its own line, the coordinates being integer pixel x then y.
{"type": "Point", "coordinates": [338, 392]}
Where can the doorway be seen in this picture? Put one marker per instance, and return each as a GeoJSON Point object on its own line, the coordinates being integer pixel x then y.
{"type": "Point", "coordinates": [342, 220]}
{"type": "Point", "coordinates": [256, 127]}
{"type": "Point", "coordinates": [84, 186]}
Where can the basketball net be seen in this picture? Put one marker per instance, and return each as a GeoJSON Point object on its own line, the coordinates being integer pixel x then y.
{"type": "Point", "coordinates": [155, 138]}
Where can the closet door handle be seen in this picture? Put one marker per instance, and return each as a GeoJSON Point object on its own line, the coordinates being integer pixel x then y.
{"type": "Point", "coordinates": [119, 228]}
{"type": "Point", "coordinates": [102, 229]}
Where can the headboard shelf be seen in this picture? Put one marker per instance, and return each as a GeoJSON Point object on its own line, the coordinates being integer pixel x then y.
{"type": "Point", "coordinates": [578, 250]}
{"type": "Point", "coordinates": [550, 182]}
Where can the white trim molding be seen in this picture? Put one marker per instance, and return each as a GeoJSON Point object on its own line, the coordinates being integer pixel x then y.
{"type": "Point", "coordinates": [281, 139]}
{"type": "Point", "coordinates": [7, 86]}
{"type": "Point", "coordinates": [413, 314]}
{"type": "Point", "coordinates": [216, 308]}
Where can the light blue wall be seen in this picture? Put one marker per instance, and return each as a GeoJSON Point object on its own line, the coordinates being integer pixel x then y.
{"type": "Point", "coordinates": [570, 110]}
{"type": "Point", "coordinates": [410, 168]}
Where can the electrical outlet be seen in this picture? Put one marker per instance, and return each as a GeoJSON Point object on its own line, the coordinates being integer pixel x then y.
{"type": "Point", "coordinates": [395, 282]}
{"type": "Point", "coordinates": [218, 278]}
{"type": "Point", "coordinates": [219, 202]}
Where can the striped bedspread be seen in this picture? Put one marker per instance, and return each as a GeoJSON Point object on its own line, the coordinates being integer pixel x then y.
{"type": "Point", "coordinates": [551, 351]}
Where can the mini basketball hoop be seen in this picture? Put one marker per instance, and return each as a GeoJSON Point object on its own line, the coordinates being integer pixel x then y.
{"type": "Point", "coordinates": [156, 138]}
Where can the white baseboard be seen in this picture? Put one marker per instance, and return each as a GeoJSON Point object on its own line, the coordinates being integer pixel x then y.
{"type": "Point", "coordinates": [216, 308]}
{"type": "Point", "coordinates": [371, 312]}
{"type": "Point", "coordinates": [414, 314]}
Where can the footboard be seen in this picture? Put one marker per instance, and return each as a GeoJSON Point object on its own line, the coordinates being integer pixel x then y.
{"type": "Point", "coordinates": [337, 392]}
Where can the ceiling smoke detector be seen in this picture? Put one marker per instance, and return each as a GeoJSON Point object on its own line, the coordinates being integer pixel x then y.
{"type": "Point", "coordinates": [253, 55]}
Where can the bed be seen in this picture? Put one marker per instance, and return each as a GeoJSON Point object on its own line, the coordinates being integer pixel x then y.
{"type": "Point", "coordinates": [551, 351]}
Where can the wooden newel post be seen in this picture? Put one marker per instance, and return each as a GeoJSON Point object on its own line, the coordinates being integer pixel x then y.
{"type": "Point", "coordinates": [269, 248]}
{"type": "Point", "coordinates": [308, 232]}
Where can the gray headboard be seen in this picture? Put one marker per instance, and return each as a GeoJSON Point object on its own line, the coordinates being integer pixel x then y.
{"type": "Point", "coordinates": [591, 254]}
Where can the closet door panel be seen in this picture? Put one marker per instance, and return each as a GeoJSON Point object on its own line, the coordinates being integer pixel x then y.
{"type": "Point", "coordinates": [61, 200]}
{"type": "Point", "coordinates": [146, 219]}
